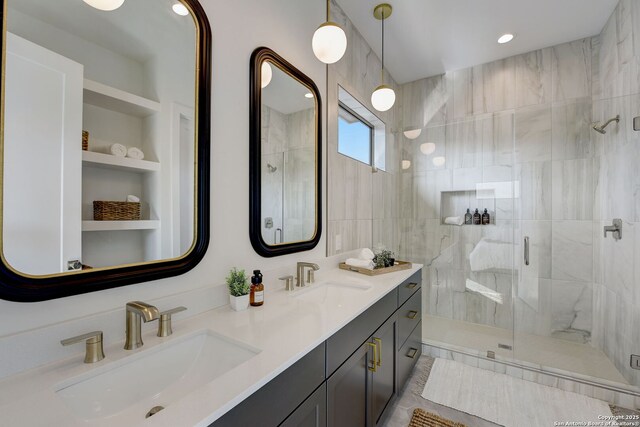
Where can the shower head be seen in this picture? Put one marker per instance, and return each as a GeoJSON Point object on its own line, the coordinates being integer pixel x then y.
{"type": "Point", "coordinates": [601, 128]}
{"type": "Point", "coordinates": [271, 168]}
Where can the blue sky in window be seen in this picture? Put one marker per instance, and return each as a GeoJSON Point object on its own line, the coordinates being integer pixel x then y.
{"type": "Point", "coordinates": [354, 140]}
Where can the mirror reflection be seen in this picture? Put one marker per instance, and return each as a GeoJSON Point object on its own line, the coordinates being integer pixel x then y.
{"type": "Point", "coordinates": [288, 158]}
{"type": "Point", "coordinates": [99, 134]}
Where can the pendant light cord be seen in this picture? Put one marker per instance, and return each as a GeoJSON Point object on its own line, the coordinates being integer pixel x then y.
{"type": "Point", "coordinates": [328, 11]}
{"type": "Point", "coordinates": [382, 71]}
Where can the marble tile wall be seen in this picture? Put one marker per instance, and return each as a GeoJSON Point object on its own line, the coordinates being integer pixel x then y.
{"type": "Point", "coordinates": [616, 90]}
{"type": "Point", "coordinates": [363, 206]}
{"type": "Point", "coordinates": [524, 122]}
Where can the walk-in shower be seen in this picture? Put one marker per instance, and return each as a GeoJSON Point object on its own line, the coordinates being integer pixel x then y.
{"type": "Point", "coordinates": [516, 137]}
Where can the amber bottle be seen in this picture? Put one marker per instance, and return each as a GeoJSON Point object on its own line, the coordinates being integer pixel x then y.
{"type": "Point", "coordinates": [256, 298]}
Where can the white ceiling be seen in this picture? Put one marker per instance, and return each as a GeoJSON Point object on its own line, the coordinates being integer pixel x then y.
{"type": "Point", "coordinates": [429, 37]}
{"type": "Point", "coordinates": [286, 94]}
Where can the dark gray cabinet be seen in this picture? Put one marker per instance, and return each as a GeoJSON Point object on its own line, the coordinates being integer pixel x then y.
{"type": "Point", "coordinates": [348, 390]}
{"type": "Point", "coordinates": [312, 413]}
{"type": "Point", "coordinates": [352, 378]}
{"type": "Point", "coordinates": [383, 383]}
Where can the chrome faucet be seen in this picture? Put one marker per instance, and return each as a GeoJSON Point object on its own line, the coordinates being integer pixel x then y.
{"type": "Point", "coordinates": [137, 311]}
{"type": "Point", "coordinates": [300, 272]}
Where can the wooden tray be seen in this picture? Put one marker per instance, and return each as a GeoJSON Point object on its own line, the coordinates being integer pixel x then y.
{"type": "Point", "coordinates": [399, 265]}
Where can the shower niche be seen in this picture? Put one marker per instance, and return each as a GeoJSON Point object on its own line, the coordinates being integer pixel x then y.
{"type": "Point", "coordinates": [455, 203]}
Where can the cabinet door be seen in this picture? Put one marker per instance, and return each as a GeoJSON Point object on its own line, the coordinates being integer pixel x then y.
{"type": "Point", "coordinates": [348, 391]}
{"type": "Point", "coordinates": [312, 412]}
{"type": "Point", "coordinates": [383, 388]}
{"type": "Point", "coordinates": [42, 159]}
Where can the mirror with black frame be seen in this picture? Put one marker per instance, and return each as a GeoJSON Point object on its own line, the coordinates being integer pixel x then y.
{"type": "Point", "coordinates": [105, 143]}
{"type": "Point", "coordinates": [285, 157]}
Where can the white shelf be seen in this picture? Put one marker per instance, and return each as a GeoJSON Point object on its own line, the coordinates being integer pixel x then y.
{"type": "Point", "coordinates": [120, 225]}
{"type": "Point", "coordinates": [113, 99]}
{"type": "Point", "coordinates": [109, 161]}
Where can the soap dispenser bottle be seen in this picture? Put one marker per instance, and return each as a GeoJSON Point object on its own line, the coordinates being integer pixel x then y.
{"type": "Point", "coordinates": [256, 298]}
{"type": "Point", "coordinates": [468, 218]}
{"type": "Point", "coordinates": [486, 218]}
{"type": "Point", "coordinates": [476, 218]}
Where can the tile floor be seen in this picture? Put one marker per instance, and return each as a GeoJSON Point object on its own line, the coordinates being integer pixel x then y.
{"type": "Point", "coordinates": [410, 398]}
{"type": "Point", "coordinates": [548, 352]}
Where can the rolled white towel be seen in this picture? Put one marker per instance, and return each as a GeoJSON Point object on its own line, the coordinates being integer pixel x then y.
{"type": "Point", "coordinates": [454, 220]}
{"type": "Point", "coordinates": [135, 153]}
{"type": "Point", "coordinates": [118, 150]}
{"type": "Point", "coordinates": [360, 263]}
{"type": "Point", "coordinates": [366, 254]}
{"type": "Point", "coordinates": [133, 199]}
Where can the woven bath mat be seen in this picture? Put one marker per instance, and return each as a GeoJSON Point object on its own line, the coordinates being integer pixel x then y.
{"type": "Point", "coordinates": [427, 419]}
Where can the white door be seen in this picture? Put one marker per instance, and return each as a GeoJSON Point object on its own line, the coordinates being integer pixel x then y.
{"type": "Point", "coordinates": [42, 227]}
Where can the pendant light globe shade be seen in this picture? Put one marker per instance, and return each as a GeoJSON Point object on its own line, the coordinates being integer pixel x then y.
{"type": "Point", "coordinates": [107, 5]}
{"type": "Point", "coordinates": [329, 43]}
{"type": "Point", "coordinates": [383, 98]}
{"type": "Point", "coordinates": [412, 134]}
{"type": "Point", "coordinates": [266, 74]}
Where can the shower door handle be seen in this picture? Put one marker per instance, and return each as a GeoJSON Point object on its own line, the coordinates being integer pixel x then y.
{"type": "Point", "coordinates": [276, 232]}
{"type": "Point", "coordinates": [526, 250]}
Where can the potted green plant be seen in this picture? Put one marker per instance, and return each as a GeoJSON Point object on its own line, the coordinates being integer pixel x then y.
{"type": "Point", "coordinates": [384, 258]}
{"type": "Point", "coordinates": [239, 289]}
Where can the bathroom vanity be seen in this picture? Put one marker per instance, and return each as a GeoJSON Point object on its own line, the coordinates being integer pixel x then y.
{"type": "Point", "coordinates": [352, 377]}
{"type": "Point", "coordinates": [336, 352]}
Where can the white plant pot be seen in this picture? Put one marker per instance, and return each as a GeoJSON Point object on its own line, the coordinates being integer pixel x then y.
{"type": "Point", "coordinates": [239, 303]}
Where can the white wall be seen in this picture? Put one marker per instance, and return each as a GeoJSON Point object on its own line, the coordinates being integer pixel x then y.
{"type": "Point", "coordinates": [238, 28]}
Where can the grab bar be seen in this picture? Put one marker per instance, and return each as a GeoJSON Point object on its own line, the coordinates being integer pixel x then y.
{"type": "Point", "coordinates": [526, 250]}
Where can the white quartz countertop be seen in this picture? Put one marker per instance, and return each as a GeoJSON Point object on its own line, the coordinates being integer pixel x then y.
{"type": "Point", "coordinates": [284, 329]}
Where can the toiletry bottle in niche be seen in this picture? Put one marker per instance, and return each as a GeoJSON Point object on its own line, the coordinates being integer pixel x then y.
{"type": "Point", "coordinates": [468, 218]}
{"type": "Point", "coordinates": [476, 218]}
{"type": "Point", "coordinates": [257, 289]}
{"type": "Point", "coordinates": [486, 218]}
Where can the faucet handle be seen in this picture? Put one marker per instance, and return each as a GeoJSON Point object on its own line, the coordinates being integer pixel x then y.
{"type": "Point", "coordinates": [164, 325]}
{"type": "Point", "coordinates": [288, 282]}
{"type": "Point", "coordinates": [94, 350]}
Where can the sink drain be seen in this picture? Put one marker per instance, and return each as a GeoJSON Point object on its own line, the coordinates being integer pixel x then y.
{"type": "Point", "coordinates": [154, 411]}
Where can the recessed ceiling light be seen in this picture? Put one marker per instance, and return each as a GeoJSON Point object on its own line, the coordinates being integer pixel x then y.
{"type": "Point", "coordinates": [180, 9]}
{"type": "Point", "coordinates": [505, 38]}
{"type": "Point", "coordinates": [308, 95]}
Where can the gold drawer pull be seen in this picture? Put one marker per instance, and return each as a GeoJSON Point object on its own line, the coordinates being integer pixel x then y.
{"type": "Point", "coordinates": [379, 343]}
{"type": "Point", "coordinates": [374, 367]}
{"type": "Point", "coordinates": [412, 353]}
{"type": "Point", "coordinates": [412, 314]}
{"type": "Point", "coordinates": [412, 285]}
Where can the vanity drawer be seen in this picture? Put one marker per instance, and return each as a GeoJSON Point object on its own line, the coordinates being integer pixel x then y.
{"type": "Point", "coordinates": [409, 315]}
{"type": "Point", "coordinates": [347, 340]}
{"type": "Point", "coordinates": [291, 387]}
{"type": "Point", "coordinates": [409, 287]}
{"type": "Point", "coordinates": [408, 355]}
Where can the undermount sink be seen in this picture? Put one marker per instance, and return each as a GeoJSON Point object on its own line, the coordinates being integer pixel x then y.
{"type": "Point", "coordinates": [156, 377]}
{"type": "Point", "coordinates": [331, 291]}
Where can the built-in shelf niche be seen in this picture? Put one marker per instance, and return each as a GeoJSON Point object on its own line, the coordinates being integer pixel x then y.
{"type": "Point", "coordinates": [456, 203]}
{"type": "Point", "coordinates": [109, 161]}
{"type": "Point", "coordinates": [110, 98]}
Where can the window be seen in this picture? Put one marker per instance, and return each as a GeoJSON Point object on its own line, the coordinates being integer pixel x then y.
{"type": "Point", "coordinates": [354, 136]}
{"type": "Point", "coordinates": [361, 135]}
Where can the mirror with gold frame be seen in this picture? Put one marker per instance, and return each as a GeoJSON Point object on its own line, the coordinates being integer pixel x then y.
{"type": "Point", "coordinates": [285, 157]}
{"type": "Point", "coordinates": [105, 144]}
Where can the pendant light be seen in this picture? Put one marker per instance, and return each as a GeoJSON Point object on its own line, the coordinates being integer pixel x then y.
{"type": "Point", "coordinates": [383, 97]}
{"type": "Point", "coordinates": [106, 5]}
{"type": "Point", "coordinates": [329, 42]}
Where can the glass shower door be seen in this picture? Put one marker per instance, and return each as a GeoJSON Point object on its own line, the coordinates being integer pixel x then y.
{"type": "Point", "coordinates": [469, 268]}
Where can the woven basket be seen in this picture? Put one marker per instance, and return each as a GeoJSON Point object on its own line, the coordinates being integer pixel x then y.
{"type": "Point", "coordinates": [116, 211]}
{"type": "Point", "coordinates": [85, 140]}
